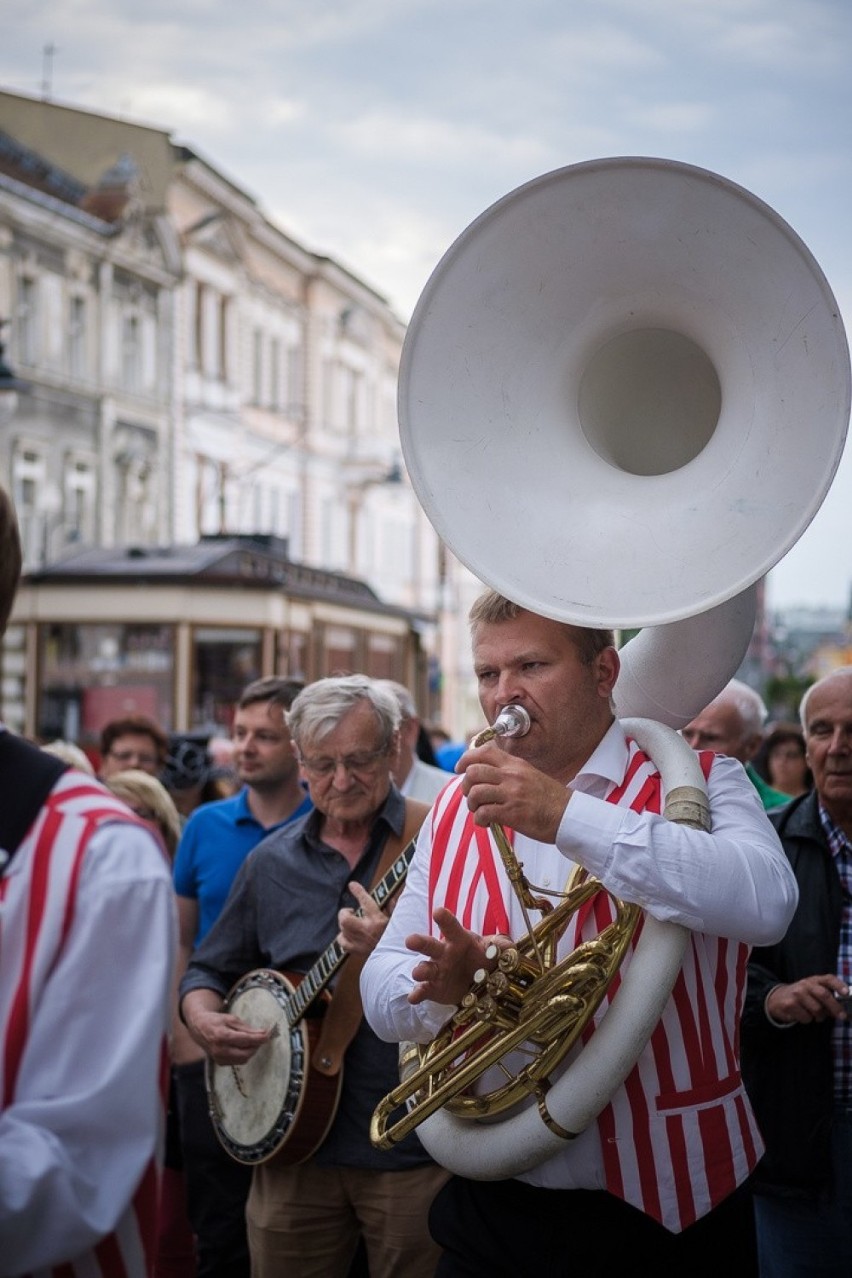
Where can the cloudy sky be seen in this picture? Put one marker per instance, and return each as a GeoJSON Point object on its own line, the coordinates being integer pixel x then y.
{"type": "Point", "coordinates": [376, 130]}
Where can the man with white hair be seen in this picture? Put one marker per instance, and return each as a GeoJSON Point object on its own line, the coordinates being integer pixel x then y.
{"type": "Point", "coordinates": [416, 778]}
{"type": "Point", "coordinates": [306, 1219]}
{"type": "Point", "coordinates": [797, 1029]}
{"type": "Point", "coordinates": [732, 724]}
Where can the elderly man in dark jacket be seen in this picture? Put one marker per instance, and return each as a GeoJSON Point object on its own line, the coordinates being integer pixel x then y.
{"type": "Point", "coordinates": [796, 1032]}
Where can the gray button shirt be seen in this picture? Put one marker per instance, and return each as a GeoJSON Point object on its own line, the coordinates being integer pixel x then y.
{"type": "Point", "coordinates": [281, 913]}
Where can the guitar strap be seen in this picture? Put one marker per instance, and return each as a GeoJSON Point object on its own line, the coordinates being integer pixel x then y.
{"type": "Point", "coordinates": [344, 1014]}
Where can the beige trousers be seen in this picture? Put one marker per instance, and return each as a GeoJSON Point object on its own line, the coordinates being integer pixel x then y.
{"type": "Point", "coordinates": [304, 1221]}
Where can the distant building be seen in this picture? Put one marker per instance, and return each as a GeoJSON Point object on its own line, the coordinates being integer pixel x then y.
{"type": "Point", "coordinates": [87, 283]}
{"type": "Point", "coordinates": [192, 370]}
{"type": "Point", "coordinates": [809, 641]}
{"type": "Point", "coordinates": [221, 377]}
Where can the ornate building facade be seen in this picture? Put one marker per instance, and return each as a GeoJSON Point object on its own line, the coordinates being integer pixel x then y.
{"type": "Point", "coordinates": [191, 370]}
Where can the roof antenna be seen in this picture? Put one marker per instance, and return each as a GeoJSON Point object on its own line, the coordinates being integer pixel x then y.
{"type": "Point", "coordinates": [47, 70]}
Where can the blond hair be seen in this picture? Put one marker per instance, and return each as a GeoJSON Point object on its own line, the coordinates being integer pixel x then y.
{"type": "Point", "coordinates": [68, 752]}
{"type": "Point", "coordinates": [149, 799]}
{"type": "Point", "coordinates": [492, 608]}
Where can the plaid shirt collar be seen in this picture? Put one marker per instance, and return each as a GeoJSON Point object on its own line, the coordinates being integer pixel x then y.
{"type": "Point", "coordinates": [839, 844]}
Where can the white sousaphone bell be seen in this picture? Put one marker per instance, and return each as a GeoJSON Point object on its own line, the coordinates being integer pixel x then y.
{"type": "Point", "coordinates": [623, 396]}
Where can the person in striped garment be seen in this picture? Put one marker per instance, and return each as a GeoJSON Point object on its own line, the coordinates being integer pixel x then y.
{"type": "Point", "coordinates": [88, 935]}
{"type": "Point", "coordinates": [650, 1187]}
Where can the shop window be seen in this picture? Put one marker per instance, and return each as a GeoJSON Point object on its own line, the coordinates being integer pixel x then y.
{"type": "Point", "coordinates": [385, 658]}
{"type": "Point", "coordinates": [90, 674]}
{"type": "Point", "coordinates": [224, 660]}
{"type": "Point", "coordinates": [339, 654]}
{"type": "Point", "coordinates": [293, 654]}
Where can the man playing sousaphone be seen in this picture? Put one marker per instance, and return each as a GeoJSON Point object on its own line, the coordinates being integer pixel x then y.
{"type": "Point", "coordinates": [650, 1186]}
{"type": "Point", "coordinates": [305, 1213]}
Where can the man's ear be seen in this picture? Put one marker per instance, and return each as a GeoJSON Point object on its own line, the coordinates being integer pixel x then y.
{"type": "Point", "coordinates": [751, 745]}
{"type": "Point", "coordinates": [607, 667]}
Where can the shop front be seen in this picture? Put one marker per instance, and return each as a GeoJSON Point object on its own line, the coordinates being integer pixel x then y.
{"type": "Point", "coordinates": [177, 633]}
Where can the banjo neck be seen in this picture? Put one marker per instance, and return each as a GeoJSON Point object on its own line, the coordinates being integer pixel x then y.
{"type": "Point", "coordinates": [315, 980]}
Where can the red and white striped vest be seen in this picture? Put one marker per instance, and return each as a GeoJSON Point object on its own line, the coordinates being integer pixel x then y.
{"type": "Point", "coordinates": [54, 850]}
{"type": "Point", "coordinates": [680, 1135]}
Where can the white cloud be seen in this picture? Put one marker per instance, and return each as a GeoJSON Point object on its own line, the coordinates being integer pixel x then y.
{"type": "Point", "coordinates": [276, 111]}
{"type": "Point", "coordinates": [676, 117]}
{"type": "Point", "coordinates": [779, 44]}
{"type": "Point", "coordinates": [415, 139]}
{"type": "Point", "coordinates": [194, 105]}
{"type": "Point", "coordinates": [590, 50]}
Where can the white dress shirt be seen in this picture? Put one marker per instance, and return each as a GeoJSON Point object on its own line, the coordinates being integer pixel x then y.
{"type": "Point", "coordinates": [734, 882]}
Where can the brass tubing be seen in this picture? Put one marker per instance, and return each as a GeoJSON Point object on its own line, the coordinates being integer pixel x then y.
{"type": "Point", "coordinates": [555, 1009]}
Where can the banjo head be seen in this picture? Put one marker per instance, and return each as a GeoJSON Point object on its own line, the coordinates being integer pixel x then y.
{"type": "Point", "coordinates": [253, 1106]}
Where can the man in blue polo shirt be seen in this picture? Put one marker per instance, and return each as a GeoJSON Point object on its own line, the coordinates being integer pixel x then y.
{"type": "Point", "coordinates": [216, 840]}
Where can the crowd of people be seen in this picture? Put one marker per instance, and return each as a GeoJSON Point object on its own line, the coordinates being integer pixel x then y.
{"type": "Point", "coordinates": [138, 892]}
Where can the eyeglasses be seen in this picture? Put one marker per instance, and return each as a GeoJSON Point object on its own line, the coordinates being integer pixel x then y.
{"type": "Point", "coordinates": [133, 756]}
{"type": "Point", "coordinates": [350, 763]}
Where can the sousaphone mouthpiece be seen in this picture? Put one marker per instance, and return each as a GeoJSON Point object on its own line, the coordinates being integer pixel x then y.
{"type": "Point", "coordinates": [512, 721]}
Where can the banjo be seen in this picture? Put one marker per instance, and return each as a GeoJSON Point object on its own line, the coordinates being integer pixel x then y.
{"type": "Point", "coordinates": [276, 1104]}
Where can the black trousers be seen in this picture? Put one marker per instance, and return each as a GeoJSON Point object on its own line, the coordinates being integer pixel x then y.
{"type": "Point", "coordinates": [501, 1229]}
{"type": "Point", "coordinates": [216, 1185]}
